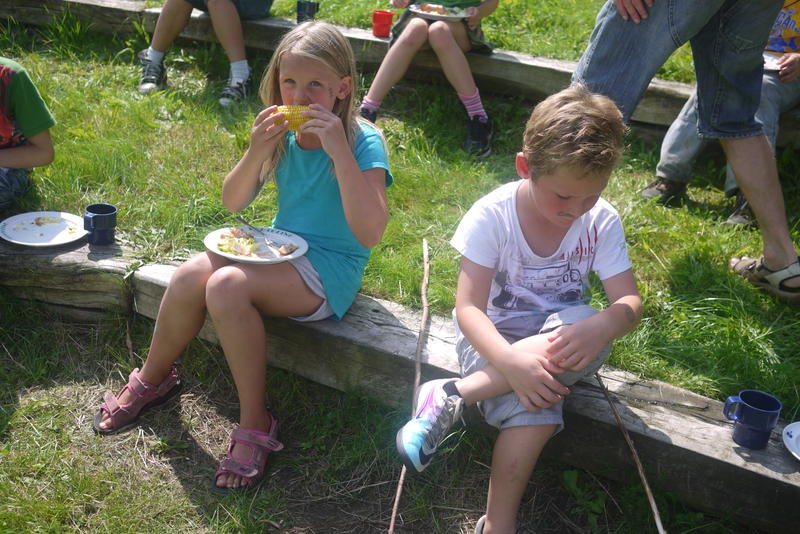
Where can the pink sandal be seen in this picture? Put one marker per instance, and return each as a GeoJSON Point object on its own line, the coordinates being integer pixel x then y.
{"type": "Point", "coordinates": [146, 395]}
{"type": "Point", "coordinates": [260, 444]}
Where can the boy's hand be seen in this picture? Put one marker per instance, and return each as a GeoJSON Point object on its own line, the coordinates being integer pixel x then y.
{"type": "Point", "coordinates": [790, 67]}
{"type": "Point", "coordinates": [633, 9]}
{"type": "Point", "coordinates": [574, 346]}
{"type": "Point", "coordinates": [474, 17]}
{"type": "Point", "coordinates": [400, 3]}
{"type": "Point", "coordinates": [530, 375]}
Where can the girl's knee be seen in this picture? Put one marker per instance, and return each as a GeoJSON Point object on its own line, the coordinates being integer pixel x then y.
{"type": "Point", "coordinates": [440, 34]}
{"type": "Point", "coordinates": [191, 276]}
{"type": "Point", "coordinates": [414, 34]}
{"type": "Point", "coordinates": [226, 288]}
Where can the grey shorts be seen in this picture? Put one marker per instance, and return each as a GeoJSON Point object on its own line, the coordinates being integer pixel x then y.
{"type": "Point", "coordinates": [247, 9]}
{"type": "Point", "coordinates": [311, 277]}
{"type": "Point", "coordinates": [506, 411]}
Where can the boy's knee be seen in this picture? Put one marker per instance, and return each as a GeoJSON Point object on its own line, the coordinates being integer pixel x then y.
{"type": "Point", "coordinates": [439, 33]}
{"type": "Point", "coordinates": [414, 34]}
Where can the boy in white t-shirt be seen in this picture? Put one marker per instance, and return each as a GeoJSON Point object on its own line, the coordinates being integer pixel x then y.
{"type": "Point", "coordinates": [525, 331]}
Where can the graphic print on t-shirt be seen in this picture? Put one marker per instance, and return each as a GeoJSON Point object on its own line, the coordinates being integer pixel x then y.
{"type": "Point", "coordinates": [10, 136]}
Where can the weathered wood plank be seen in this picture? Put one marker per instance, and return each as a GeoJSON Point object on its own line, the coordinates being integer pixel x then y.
{"type": "Point", "coordinates": [684, 443]}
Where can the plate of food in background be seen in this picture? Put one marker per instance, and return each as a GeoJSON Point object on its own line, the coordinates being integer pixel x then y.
{"type": "Point", "coordinates": [427, 10]}
{"type": "Point", "coordinates": [42, 228]}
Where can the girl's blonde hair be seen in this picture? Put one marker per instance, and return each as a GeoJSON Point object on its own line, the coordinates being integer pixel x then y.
{"type": "Point", "coordinates": [324, 43]}
{"type": "Point", "coordinates": [577, 129]}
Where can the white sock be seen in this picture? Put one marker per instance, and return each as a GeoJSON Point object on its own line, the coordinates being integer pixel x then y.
{"type": "Point", "coordinates": [154, 55]}
{"type": "Point", "coordinates": [240, 70]}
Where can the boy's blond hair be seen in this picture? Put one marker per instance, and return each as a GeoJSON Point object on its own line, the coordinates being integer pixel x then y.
{"type": "Point", "coordinates": [577, 129]}
{"type": "Point", "coordinates": [324, 43]}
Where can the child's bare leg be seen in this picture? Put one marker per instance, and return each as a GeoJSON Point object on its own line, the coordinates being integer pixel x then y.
{"type": "Point", "coordinates": [515, 454]}
{"type": "Point", "coordinates": [489, 382]}
{"type": "Point", "coordinates": [180, 318]}
{"type": "Point", "coordinates": [236, 296]}
{"type": "Point", "coordinates": [171, 21]}
{"type": "Point", "coordinates": [398, 58]}
{"type": "Point", "coordinates": [228, 28]}
{"type": "Point", "coordinates": [449, 40]}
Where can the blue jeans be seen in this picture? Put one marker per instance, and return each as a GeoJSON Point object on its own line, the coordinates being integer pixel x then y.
{"type": "Point", "coordinates": [682, 143]}
{"type": "Point", "coordinates": [727, 39]}
{"type": "Point", "coordinates": [13, 182]}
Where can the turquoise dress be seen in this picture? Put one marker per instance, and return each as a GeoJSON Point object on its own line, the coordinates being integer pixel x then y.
{"type": "Point", "coordinates": [309, 204]}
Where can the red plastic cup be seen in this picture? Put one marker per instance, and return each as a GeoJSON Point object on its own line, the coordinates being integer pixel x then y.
{"type": "Point", "coordinates": [382, 22]}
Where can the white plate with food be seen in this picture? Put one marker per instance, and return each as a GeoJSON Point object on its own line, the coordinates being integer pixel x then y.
{"type": "Point", "coordinates": [427, 10]}
{"type": "Point", "coordinates": [42, 228]}
{"type": "Point", "coordinates": [239, 243]}
{"type": "Point", "coordinates": [791, 438]}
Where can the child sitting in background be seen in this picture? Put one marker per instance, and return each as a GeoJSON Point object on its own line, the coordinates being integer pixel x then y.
{"type": "Point", "coordinates": [525, 331]}
{"type": "Point", "coordinates": [449, 39]}
{"type": "Point", "coordinates": [331, 175]}
{"type": "Point", "coordinates": [25, 124]}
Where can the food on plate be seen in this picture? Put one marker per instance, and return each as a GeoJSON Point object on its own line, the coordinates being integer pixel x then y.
{"type": "Point", "coordinates": [287, 249]}
{"type": "Point", "coordinates": [42, 220]}
{"type": "Point", "coordinates": [237, 241]}
{"type": "Point", "coordinates": [433, 8]}
{"type": "Point", "coordinates": [439, 9]}
{"type": "Point", "coordinates": [292, 114]}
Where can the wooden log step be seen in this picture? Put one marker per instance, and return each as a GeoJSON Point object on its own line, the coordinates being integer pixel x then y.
{"type": "Point", "coordinates": [682, 438]}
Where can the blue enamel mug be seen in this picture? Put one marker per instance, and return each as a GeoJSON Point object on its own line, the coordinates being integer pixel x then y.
{"type": "Point", "coordinates": [100, 220]}
{"type": "Point", "coordinates": [754, 414]}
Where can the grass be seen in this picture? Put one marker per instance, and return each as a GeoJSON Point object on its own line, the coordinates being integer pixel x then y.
{"type": "Point", "coordinates": [161, 159]}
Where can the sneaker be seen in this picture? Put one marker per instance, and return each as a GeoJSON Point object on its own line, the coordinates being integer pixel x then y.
{"type": "Point", "coordinates": [371, 116]}
{"type": "Point", "coordinates": [419, 439]}
{"type": "Point", "coordinates": [667, 192]}
{"type": "Point", "coordinates": [154, 75]}
{"type": "Point", "coordinates": [233, 93]}
{"type": "Point", "coordinates": [482, 520]}
{"type": "Point", "coordinates": [479, 137]}
{"type": "Point", "coordinates": [742, 214]}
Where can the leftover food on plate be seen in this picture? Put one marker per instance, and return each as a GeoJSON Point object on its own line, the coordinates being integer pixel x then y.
{"type": "Point", "coordinates": [242, 243]}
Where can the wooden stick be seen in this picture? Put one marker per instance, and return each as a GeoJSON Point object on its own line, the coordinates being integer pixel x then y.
{"type": "Point", "coordinates": [635, 456]}
{"type": "Point", "coordinates": [421, 341]}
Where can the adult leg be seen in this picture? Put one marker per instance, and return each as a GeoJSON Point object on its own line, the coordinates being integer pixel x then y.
{"type": "Point", "coordinates": [228, 28]}
{"type": "Point", "coordinates": [515, 454]}
{"type": "Point", "coordinates": [180, 317]}
{"type": "Point", "coordinates": [171, 21]}
{"type": "Point", "coordinates": [679, 150]}
{"type": "Point", "coordinates": [237, 296]}
{"type": "Point", "coordinates": [398, 58]}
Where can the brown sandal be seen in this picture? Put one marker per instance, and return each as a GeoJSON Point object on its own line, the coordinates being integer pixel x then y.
{"type": "Point", "coordinates": [146, 395]}
{"type": "Point", "coordinates": [773, 282]}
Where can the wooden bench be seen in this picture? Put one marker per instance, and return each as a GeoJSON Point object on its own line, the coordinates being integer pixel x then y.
{"type": "Point", "coordinates": [504, 71]}
{"type": "Point", "coordinates": [683, 441]}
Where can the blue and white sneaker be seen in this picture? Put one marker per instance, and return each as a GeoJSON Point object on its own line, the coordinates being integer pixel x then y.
{"type": "Point", "coordinates": [419, 439]}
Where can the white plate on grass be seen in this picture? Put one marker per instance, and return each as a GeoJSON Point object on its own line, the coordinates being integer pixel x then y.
{"type": "Point", "coordinates": [42, 228]}
{"type": "Point", "coordinates": [451, 13]}
{"type": "Point", "coordinates": [262, 252]}
{"type": "Point", "coordinates": [791, 438]}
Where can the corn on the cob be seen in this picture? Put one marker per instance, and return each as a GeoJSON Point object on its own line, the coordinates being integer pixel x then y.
{"type": "Point", "coordinates": [292, 114]}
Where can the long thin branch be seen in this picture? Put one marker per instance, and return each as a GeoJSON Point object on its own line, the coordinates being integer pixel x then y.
{"type": "Point", "coordinates": [421, 341]}
{"type": "Point", "coordinates": [635, 456]}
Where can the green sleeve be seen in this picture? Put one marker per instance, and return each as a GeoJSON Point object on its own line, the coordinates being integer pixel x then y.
{"type": "Point", "coordinates": [27, 107]}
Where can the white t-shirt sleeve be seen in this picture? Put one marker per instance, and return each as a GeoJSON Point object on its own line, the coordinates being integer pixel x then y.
{"type": "Point", "coordinates": [478, 236]}
{"type": "Point", "coordinates": [611, 257]}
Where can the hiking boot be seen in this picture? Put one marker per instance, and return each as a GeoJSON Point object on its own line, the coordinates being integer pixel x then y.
{"type": "Point", "coordinates": [419, 439]}
{"type": "Point", "coordinates": [667, 192]}
{"type": "Point", "coordinates": [479, 137]}
{"type": "Point", "coordinates": [233, 93]}
{"type": "Point", "coordinates": [742, 214]}
{"type": "Point", "coordinates": [371, 116]}
{"type": "Point", "coordinates": [154, 75]}
{"type": "Point", "coordinates": [482, 520]}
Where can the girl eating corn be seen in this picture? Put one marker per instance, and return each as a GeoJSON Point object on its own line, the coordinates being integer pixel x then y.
{"type": "Point", "coordinates": [449, 39]}
{"type": "Point", "coordinates": [330, 168]}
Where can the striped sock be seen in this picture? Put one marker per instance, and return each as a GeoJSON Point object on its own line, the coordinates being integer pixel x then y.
{"type": "Point", "coordinates": [371, 105]}
{"type": "Point", "coordinates": [473, 104]}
